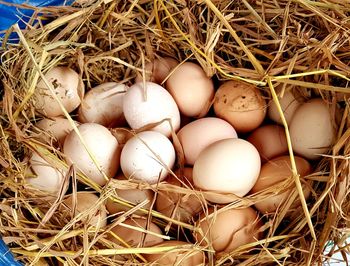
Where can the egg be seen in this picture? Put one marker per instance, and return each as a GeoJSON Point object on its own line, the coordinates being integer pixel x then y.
{"type": "Point", "coordinates": [241, 104]}
{"type": "Point", "coordinates": [134, 196]}
{"type": "Point", "coordinates": [133, 233]}
{"type": "Point", "coordinates": [189, 256]}
{"type": "Point", "coordinates": [229, 229]}
{"type": "Point", "coordinates": [103, 105]}
{"type": "Point", "coordinates": [228, 166]}
{"type": "Point", "coordinates": [85, 203]}
{"type": "Point", "coordinates": [289, 104]}
{"type": "Point", "coordinates": [147, 157]}
{"type": "Point", "coordinates": [275, 171]}
{"type": "Point", "coordinates": [311, 129]}
{"type": "Point", "coordinates": [102, 144]}
{"type": "Point", "coordinates": [67, 86]}
{"type": "Point", "coordinates": [192, 89]}
{"type": "Point", "coordinates": [56, 129]}
{"type": "Point", "coordinates": [158, 70]}
{"type": "Point", "coordinates": [142, 106]}
{"type": "Point", "coordinates": [270, 141]}
{"type": "Point", "coordinates": [199, 134]}
{"type": "Point", "coordinates": [42, 175]}
{"type": "Point", "coordinates": [184, 206]}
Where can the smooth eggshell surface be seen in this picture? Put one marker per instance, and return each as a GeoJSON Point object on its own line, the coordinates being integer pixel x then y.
{"type": "Point", "coordinates": [241, 104]}
{"type": "Point", "coordinates": [103, 105]}
{"type": "Point", "coordinates": [101, 143]}
{"type": "Point", "coordinates": [67, 86]}
{"type": "Point", "coordinates": [270, 141]}
{"type": "Point", "coordinates": [229, 166]}
{"type": "Point", "coordinates": [192, 90]}
{"type": "Point", "coordinates": [199, 134]}
{"type": "Point", "coordinates": [311, 129]}
{"type": "Point", "coordinates": [147, 157]}
{"type": "Point", "coordinates": [142, 106]}
{"type": "Point", "coordinates": [229, 229]}
{"type": "Point", "coordinates": [275, 171]}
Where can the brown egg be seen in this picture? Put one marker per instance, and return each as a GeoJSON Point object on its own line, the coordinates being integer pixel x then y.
{"type": "Point", "coordinates": [134, 237]}
{"type": "Point", "coordinates": [158, 70]}
{"type": "Point", "coordinates": [270, 141]}
{"type": "Point", "coordinates": [229, 229]}
{"type": "Point", "coordinates": [83, 202]}
{"type": "Point", "coordinates": [241, 104]}
{"type": "Point", "coordinates": [134, 196]}
{"type": "Point", "coordinates": [192, 90]}
{"type": "Point", "coordinates": [199, 134]}
{"type": "Point", "coordinates": [311, 129]}
{"type": "Point", "coordinates": [189, 256]}
{"type": "Point", "coordinates": [67, 86]}
{"type": "Point", "coordinates": [185, 206]}
{"type": "Point", "coordinates": [273, 172]}
{"type": "Point", "coordinates": [54, 129]}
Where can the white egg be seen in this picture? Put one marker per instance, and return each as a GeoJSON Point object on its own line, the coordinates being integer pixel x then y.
{"type": "Point", "coordinates": [142, 106]}
{"type": "Point", "coordinates": [147, 156]}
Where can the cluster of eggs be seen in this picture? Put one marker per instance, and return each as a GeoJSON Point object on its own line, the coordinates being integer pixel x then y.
{"type": "Point", "coordinates": [232, 153]}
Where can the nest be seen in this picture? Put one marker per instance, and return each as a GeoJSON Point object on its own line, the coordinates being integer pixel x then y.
{"type": "Point", "coordinates": [301, 44]}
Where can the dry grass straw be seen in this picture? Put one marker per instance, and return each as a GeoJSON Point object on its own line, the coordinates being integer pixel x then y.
{"type": "Point", "coordinates": [298, 44]}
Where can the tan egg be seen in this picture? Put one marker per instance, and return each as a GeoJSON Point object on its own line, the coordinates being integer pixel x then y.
{"type": "Point", "coordinates": [133, 231]}
{"type": "Point", "coordinates": [289, 104]}
{"type": "Point", "coordinates": [101, 143]}
{"type": "Point", "coordinates": [158, 70]}
{"type": "Point", "coordinates": [134, 196]}
{"type": "Point", "coordinates": [184, 206]}
{"type": "Point", "coordinates": [67, 86]}
{"type": "Point", "coordinates": [270, 141]}
{"type": "Point", "coordinates": [199, 134]}
{"type": "Point", "coordinates": [152, 104]}
{"type": "Point", "coordinates": [192, 90]}
{"type": "Point", "coordinates": [229, 229]}
{"type": "Point", "coordinates": [228, 166]}
{"type": "Point", "coordinates": [104, 105]}
{"type": "Point", "coordinates": [273, 172]}
{"type": "Point", "coordinates": [85, 203]}
{"type": "Point", "coordinates": [311, 129]}
{"type": "Point", "coordinates": [56, 129]}
{"type": "Point", "coordinates": [43, 175]}
{"type": "Point", "coordinates": [189, 256]}
{"type": "Point", "coordinates": [241, 104]}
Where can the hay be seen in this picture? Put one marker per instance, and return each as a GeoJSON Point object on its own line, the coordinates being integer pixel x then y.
{"type": "Point", "coordinates": [301, 44]}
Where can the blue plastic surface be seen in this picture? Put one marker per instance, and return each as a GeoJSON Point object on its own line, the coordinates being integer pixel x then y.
{"type": "Point", "coordinates": [6, 257]}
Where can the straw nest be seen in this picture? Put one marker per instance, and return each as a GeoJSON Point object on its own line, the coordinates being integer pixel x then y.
{"type": "Point", "coordinates": [303, 44]}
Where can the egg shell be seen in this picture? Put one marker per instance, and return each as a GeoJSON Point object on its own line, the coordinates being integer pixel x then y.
{"type": "Point", "coordinates": [134, 237]}
{"type": "Point", "coordinates": [104, 147]}
{"type": "Point", "coordinates": [185, 257]}
{"type": "Point", "coordinates": [270, 141]}
{"type": "Point", "coordinates": [82, 202]}
{"type": "Point", "coordinates": [135, 196]}
{"type": "Point", "coordinates": [229, 166]}
{"type": "Point", "coordinates": [229, 229]}
{"type": "Point", "coordinates": [199, 134]}
{"type": "Point", "coordinates": [104, 105]}
{"type": "Point", "coordinates": [241, 104]}
{"type": "Point", "coordinates": [67, 86]}
{"type": "Point", "coordinates": [185, 206]}
{"type": "Point", "coordinates": [43, 175]}
{"type": "Point", "coordinates": [192, 89]}
{"type": "Point", "coordinates": [275, 171]}
{"type": "Point", "coordinates": [158, 70]}
{"type": "Point", "coordinates": [289, 104]}
{"type": "Point", "coordinates": [311, 129]}
{"type": "Point", "coordinates": [147, 156]}
{"type": "Point", "coordinates": [150, 105]}
{"type": "Point", "coordinates": [57, 128]}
